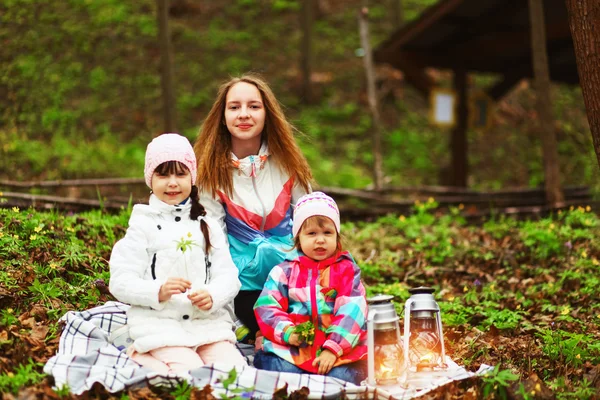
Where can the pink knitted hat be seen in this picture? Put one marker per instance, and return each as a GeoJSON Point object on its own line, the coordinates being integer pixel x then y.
{"type": "Point", "coordinates": [315, 203]}
{"type": "Point", "coordinates": [169, 147]}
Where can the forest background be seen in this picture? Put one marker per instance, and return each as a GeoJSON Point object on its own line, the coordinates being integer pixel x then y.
{"type": "Point", "coordinates": [80, 97]}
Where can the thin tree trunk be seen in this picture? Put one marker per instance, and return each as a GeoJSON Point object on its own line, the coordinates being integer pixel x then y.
{"type": "Point", "coordinates": [458, 141]}
{"type": "Point", "coordinates": [166, 66]}
{"type": "Point", "coordinates": [372, 95]}
{"type": "Point", "coordinates": [584, 18]}
{"type": "Point", "coordinates": [554, 194]}
{"type": "Point", "coordinates": [306, 57]}
{"type": "Point", "coordinates": [398, 13]}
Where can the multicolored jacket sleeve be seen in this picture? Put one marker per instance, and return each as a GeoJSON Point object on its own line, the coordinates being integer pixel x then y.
{"type": "Point", "coordinates": [271, 308]}
{"type": "Point", "coordinates": [350, 310]}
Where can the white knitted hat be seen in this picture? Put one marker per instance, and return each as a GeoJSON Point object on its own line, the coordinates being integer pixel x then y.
{"type": "Point", "coordinates": [169, 147]}
{"type": "Point", "coordinates": [315, 203]}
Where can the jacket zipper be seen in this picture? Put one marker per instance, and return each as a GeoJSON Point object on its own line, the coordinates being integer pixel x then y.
{"type": "Point", "coordinates": [207, 265]}
{"type": "Point", "coordinates": [314, 309]}
{"type": "Point", "coordinates": [153, 266]}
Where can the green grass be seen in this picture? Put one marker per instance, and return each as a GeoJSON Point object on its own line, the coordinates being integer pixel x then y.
{"type": "Point", "coordinates": [503, 287]}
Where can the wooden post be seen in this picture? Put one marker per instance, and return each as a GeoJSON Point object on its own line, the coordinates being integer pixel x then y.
{"type": "Point", "coordinates": [584, 19]}
{"type": "Point", "coordinates": [554, 194]}
{"type": "Point", "coordinates": [306, 57]}
{"type": "Point", "coordinates": [166, 67]}
{"type": "Point", "coordinates": [372, 96]}
{"type": "Point", "coordinates": [398, 13]}
{"type": "Point", "coordinates": [459, 147]}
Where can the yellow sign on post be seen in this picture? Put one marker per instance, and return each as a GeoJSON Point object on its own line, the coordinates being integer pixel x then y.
{"type": "Point", "coordinates": [443, 107]}
{"type": "Point", "coordinates": [481, 108]}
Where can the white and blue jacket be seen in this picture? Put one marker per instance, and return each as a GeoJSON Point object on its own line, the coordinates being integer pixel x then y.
{"type": "Point", "coordinates": [258, 216]}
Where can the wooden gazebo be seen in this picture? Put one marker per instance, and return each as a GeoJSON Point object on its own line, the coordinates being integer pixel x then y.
{"type": "Point", "coordinates": [485, 36]}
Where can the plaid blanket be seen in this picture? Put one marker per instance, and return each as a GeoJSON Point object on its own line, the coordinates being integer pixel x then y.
{"type": "Point", "coordinates": [91, 350]}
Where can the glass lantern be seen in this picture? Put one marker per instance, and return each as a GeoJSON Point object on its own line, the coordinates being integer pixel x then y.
{"type": "Point", "coordinates": [385, 351]}
{"type": "Point", "coordinates": [423, 337]}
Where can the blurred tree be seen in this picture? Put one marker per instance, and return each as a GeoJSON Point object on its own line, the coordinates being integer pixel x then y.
{"type": "Point", "coordinates": [306, 54]}
{"type": "Point", "coordinates": [554, 194]}
{"type": "Point", "coordinates": [584, 19]}
{"type": "Point", "coordinates": [365, 41]}
{"type": "Point", "coordinates": [459, 143]}
{"type": "Point", "coordinates": [166, 65]}
{"type": "Point", "coordinates": [398, 13]}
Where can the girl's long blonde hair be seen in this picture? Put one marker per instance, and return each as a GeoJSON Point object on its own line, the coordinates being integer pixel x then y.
{"type": "Point", "coordinates": [213, 145]}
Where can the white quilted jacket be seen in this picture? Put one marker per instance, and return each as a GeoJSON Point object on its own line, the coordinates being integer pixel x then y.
{"type": "Point", "coordinates": [151, 252]}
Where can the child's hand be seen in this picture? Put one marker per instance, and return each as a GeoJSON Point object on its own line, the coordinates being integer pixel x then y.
{"type": "Point", "coordinates": [258, 342]}
{"type": "Point", "coordinates": [325, 360]}
{"type": "Point", "coordinates": [173, 286]}
{"type": "Point", "coordinates": [201, 299]}
{"type": "Point", "coordinates": [295, 340]}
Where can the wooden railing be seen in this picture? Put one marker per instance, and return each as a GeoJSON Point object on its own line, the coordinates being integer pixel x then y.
{"type": "Point", "coordinates": [354, 203]}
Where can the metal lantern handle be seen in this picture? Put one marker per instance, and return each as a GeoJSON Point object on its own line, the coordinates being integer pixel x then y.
{"type": "Point", "coordinates": [371, 346]}
{"type": "Point", "coordinates": [421, 290]}
{"type": "Point", "coordinates": [407, 306]}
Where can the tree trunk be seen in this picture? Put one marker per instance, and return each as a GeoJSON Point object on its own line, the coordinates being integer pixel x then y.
{"type": "Point", "coordinates": [584, 18]}
{"type": "Point", "coordinates": [372, 95]}
{"type": "Point", "coordinates": [554, 195]}
{"type": "Point", "coordinates": [166, 68]}
{"type": "Point", "coordinates": [458, 141]}
{"type": "Point", "coordinates": [306, 56]}
{"type": "Point", "coordinates": [398, 13]}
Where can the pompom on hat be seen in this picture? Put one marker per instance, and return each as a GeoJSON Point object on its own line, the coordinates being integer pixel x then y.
{"type": "Point", "coordinates": [315, 203]}
{"type": "Point", "coordinates": [169, 147]}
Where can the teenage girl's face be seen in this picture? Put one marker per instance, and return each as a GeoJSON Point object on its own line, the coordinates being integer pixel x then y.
{"type": "Point", "coordinates": [245, 118]}
{"type": "Point", "coordinates": [318, 241]}
{"type": "Point", "coordinates": [172, 188]}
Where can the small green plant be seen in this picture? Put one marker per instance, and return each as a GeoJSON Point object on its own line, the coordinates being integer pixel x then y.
{"type": "Point", "coordinates": [495, 383]}
{"type": "Point", "coordinates": [238, 393]}
{"type": "Point", "coordinates": [306, 332]}
{"type": "Point", "coordinates": [184, 244]}
{"type": "Point", "coordinates": [63, 391]}
{"type": "Point", "coordinates": [182, 391]}
{"type": "Point", "coordinates": [74, 253]}
{"type": "Point", "coordinates": [502, 319]}
{"type": "Point", "coordinates": [7, 317]}
{"type": "Point", "coordinates": [24, 375]}
{"type": "Point", "coordinates": [541, 238]}
{"type": "Point", "coordinates": [569, 348]}
{"type": "Point", "coordinates": [45, 292]}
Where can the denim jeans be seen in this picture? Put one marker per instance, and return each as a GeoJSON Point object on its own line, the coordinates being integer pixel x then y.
{"type": "Point", "coordinates": [354, 372]}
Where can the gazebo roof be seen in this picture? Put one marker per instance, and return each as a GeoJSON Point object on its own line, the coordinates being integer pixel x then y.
{"type": "Point", "coordinates": [486, 36]}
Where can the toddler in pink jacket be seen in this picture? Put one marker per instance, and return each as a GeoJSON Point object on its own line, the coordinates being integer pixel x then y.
{"type": "Point", "coordinates": [322, 286]}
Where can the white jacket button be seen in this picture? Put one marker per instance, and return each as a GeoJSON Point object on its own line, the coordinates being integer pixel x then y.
{"type": "Point", "coordinates": [186, 316]}
{"type": "Point", "coordinates": [177, 219]}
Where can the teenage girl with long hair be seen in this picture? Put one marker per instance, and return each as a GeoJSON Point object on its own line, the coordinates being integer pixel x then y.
{"type": "Point", "coordinates": [250, 173]}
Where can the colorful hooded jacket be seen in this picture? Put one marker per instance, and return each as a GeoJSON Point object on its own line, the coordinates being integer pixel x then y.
{"type": "Point", "coordinates": [258, 216]}
{"type": "Point", "coordinates": [330, 294]}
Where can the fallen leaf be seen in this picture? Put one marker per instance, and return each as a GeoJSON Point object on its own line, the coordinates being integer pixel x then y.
{"type": "Point", "coordinates": [39, 332]}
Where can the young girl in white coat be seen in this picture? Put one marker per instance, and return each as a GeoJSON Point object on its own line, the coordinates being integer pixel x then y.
{"type": "Point", "coordinates": [174, 268]}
